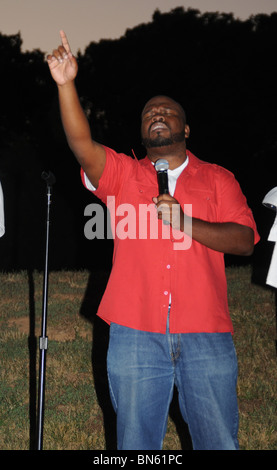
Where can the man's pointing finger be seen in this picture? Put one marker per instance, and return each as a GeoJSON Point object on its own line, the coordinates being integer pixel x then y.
{"type": "Point", "coordinates": [65, 42]}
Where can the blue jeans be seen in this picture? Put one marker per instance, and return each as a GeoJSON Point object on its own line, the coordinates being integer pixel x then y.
{"type": "Point", "coordinates": [142, 370]}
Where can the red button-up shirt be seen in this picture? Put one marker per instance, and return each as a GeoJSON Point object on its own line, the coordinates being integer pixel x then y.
{"type": "Point", "coordinates": [148, 271]}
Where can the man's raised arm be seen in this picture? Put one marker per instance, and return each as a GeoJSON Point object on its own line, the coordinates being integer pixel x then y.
{"type": "Point", "coordinates": [91, 155]}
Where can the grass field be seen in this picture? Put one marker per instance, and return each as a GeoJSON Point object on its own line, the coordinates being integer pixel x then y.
{"type": "Point", "coordinates": [78, 414]}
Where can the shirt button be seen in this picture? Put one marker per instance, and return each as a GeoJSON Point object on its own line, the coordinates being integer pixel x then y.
{"type": "Point", "coordinates": [165, 292]}
{"type": "Point", "coordinates": [168, 266]}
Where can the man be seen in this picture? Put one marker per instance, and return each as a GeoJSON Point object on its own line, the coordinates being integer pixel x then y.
{"type": "Point", "coordinates": [166, 304]}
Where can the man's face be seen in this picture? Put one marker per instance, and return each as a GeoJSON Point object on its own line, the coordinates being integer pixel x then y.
{"type": "Point", "coordinates": [163, 123]}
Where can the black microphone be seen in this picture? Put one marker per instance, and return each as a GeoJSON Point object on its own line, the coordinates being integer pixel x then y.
{"type": "Point", "coordinates": [161, 167]}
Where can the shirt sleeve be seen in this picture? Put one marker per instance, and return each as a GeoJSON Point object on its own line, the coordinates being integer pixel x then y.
{"type": "Point", "coordinates": [116, 167]}
{"type": "Point", "coordinates": [233, 203]}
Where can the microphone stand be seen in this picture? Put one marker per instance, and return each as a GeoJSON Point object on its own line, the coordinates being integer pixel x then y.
{"type": "Point", "coordinates": [43, 340]}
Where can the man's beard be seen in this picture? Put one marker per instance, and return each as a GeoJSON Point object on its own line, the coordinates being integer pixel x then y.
{"type": "Point", "coordinates": [161, 141]}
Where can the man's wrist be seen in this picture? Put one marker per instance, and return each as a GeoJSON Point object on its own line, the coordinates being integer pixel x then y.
{"type": "Point", "coordinates": [67, 85]}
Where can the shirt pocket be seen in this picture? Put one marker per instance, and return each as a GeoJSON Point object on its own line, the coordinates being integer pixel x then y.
{"type": "Point", "coordinates": [204, 204]}
{"type": "Point", "coordinates": [135, 192]}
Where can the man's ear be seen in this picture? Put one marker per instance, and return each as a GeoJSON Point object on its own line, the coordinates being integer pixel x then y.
{"type": "Point", "coordinates": [187, 131]}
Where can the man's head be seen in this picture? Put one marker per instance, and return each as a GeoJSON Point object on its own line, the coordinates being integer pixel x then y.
{"type": "Point", "coordinates": [163, 123]}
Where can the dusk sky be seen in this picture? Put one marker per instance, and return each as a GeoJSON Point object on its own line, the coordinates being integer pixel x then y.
{"type": "Point", "coordinates": [39, 21]}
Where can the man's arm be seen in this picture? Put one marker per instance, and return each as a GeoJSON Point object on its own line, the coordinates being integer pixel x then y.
{"type": "Point", "coordinates": [91, 155]}
{"type": "Point", "coordinates": [227, 237]}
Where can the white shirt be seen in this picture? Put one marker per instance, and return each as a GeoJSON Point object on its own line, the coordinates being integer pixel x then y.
{"type": "Point", "coordinates": [270, 200]}
{"type": "Point", "coordinates": [173, 175]}
{"type": "Point", "coordinates": [272, 272]}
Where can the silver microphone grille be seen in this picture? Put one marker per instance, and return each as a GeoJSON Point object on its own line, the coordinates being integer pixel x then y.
{"type": "Point", "coordinates": [161, 165]}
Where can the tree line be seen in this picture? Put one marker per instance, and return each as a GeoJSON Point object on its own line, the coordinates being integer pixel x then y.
{"type": "Point", "coordinates": [221, 69]}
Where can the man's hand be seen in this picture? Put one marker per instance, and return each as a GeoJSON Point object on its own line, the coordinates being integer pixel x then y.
{"type": "Point", "coordinates": [62, 64]}
{"type": "Point", "coordinates": [170, 211]}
